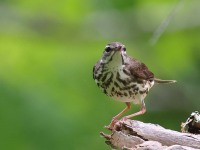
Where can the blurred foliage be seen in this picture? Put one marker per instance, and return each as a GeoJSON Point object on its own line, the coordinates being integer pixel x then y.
{"type": "Point", "coordinates": [49, 100]}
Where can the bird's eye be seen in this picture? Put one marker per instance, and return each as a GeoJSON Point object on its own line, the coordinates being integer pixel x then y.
{"type": "Point", "coordinates": [124, 48]}
{"type": "Point", "coordinates": [107, 49]}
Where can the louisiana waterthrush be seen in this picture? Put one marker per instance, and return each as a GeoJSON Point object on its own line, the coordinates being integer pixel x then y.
{"type": "Point", "coordinates": [124, 78]}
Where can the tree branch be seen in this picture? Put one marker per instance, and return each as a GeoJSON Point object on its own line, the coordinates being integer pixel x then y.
{"type": "Point", "coordinates": [132, 134]}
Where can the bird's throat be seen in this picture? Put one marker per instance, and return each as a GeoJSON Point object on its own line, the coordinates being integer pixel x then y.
{"type": "Point", "coordinates": [116, 60]}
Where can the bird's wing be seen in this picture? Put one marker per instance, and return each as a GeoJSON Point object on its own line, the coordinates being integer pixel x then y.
{"type": "Point", "coordinates": [139, 70]}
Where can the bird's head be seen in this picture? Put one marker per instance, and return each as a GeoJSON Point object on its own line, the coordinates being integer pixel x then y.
{"type": "Point", "coordinates": [114, 52]}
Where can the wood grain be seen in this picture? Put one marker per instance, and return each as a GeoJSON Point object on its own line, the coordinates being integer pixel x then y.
{"type": "Point", "coordinates": [132, 134]}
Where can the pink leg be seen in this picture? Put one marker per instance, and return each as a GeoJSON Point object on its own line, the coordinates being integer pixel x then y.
{"type": "Point", "coordinates": [142, 111]}
{"type": "Point", "coordinates": [115, 119]}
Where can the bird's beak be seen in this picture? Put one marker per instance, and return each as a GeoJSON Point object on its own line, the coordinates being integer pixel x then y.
{"type": "Point", "coordinates": [119, 48]}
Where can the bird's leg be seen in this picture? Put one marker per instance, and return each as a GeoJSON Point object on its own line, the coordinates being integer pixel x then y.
{"type": "Point", "coordinates": [115, 119]}
{"type": "Point", "coordinates": [142, 111]}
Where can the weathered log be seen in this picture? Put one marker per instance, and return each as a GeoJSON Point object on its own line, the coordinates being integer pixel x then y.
{"type": "Point", "coordinates": [132, 134]}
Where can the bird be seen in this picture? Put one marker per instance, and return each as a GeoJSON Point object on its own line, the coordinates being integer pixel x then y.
{"type": "Point", "coordinates": [124, 78]}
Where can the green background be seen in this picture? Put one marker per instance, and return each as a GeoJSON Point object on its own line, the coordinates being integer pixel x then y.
{"type": "Point", "coordinates": [48, 99]}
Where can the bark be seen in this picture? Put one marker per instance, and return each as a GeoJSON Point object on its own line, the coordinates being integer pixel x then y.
{"type": "Point", "coordinates": [132, 134]}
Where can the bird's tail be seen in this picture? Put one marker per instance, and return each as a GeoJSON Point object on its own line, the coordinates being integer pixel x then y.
{"type": "Point", "coordinates": [164, 81]}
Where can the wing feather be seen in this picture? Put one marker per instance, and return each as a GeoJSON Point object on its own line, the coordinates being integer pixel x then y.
{"type": "Point", "coordinates": [139, 70]}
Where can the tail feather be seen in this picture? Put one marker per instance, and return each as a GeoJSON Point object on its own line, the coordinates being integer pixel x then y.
{"type": "Point", "coordinates": [163, 81]}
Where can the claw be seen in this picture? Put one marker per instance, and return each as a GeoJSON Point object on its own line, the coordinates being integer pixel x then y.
{"type": "Point", "coordinates": [112, 124]}
{"type": "Point", "coordinates": [124, 119]}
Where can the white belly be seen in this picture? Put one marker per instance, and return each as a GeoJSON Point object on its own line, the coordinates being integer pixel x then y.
{"type": "Point", "coordinates": [135, 98]}
{"type": "Point", "coordinates": [126, 90]}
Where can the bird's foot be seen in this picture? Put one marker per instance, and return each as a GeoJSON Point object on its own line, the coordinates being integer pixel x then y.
{"type": "Point", "coordinates": [125, 118]}
{"type": "Point", "coordinates": [112, 124]}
